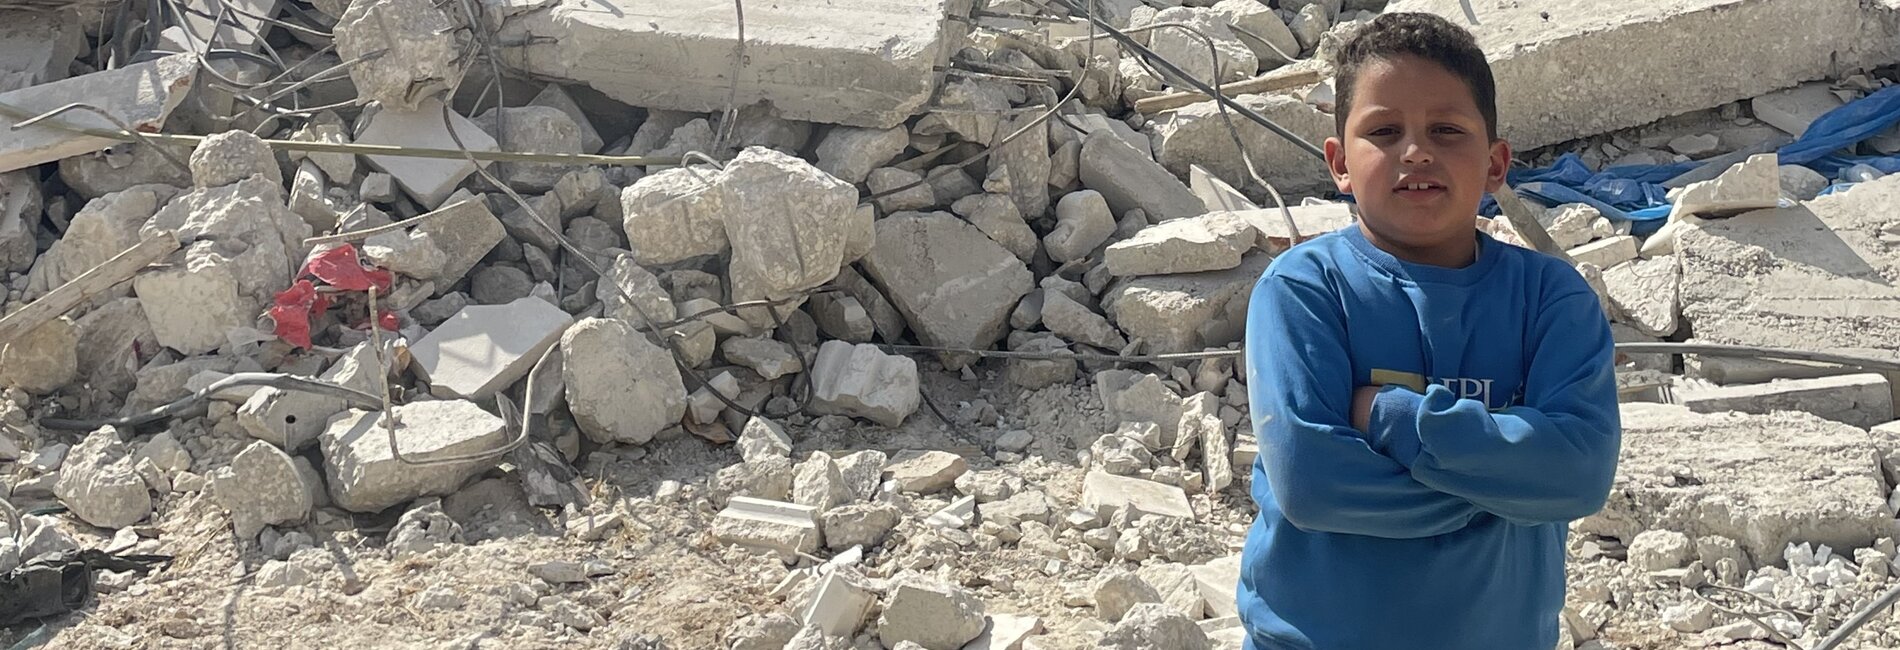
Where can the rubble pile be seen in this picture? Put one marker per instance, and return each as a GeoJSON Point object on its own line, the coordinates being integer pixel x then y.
{"type": "Point", "coordinates": [524, 324]}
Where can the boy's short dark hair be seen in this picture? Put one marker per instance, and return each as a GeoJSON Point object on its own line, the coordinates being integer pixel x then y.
{"type": "Point", "coordinates": [1427, 37]}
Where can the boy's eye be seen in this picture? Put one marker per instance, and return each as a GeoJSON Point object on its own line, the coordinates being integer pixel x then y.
{"type": "Point", "coordinates": [1383, 131]}
{"type": "Point", "coordinates": [1448, 130]}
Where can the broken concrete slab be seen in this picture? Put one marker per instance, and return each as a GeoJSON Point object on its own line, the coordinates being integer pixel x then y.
{"type": "Point", "coordinates": [1218, 581]}
{"type": "Point", "coordinates": [621, 387]}
{"type": "Point", "coordinates": [1210, 242]}
{"type": "Point", "coordinates": [484, 349]}
{"type": "Point", "coordinates": [1648, 293]}
{"type": "Point", "coordinates": [863, 381]}
{"type": "Point", "coordinates": [1069, 319]}
{"type": "Point", "coordinates": [42, 360]}
{"type": "Point", "coordinates": [1811, 277]}
{"type": "Point", "coordinates": [1606, 253]}
{"type": "Point", "coordinates": [787, 528]}
{"type": "Point", "coordinates": [364, 473]}
{"type": "Point", "coordinates": [1792, 110]}
{"type": "Point", "coordinates": [1753, 184]}
{"type": "Point", "coordinates": [99, 484]}
{"type": "Point", "coordinates": [1189, 50]}
{"type": "Point", "coordinates": [885, 317]}
{"type": "Point", "coordinates": [931, 614]}
{"type": "Point", "coordinates": [1107, 493]}
{"type": "Point", "coordinates": [1084, 221]}
{"type": "Point", "coordinates": [1198, 135]}
{"type": "Point", "coordinates": [1129, 179]}
{"type": "Point", "coordinates": [838, 606]}
{"type": "Point", "coordinates": [770, 358]}
{"type": "Point", "coordinates": [996, 215]}
{"type": "Point", "coordinates": [556, 97]}
{"type": "Point", "coordinates": [261, 487]}
{"type": "Point", "coordinates": [1762, 480]}
{"type": "Point", "coordinates": [1862, 400]}
{"type": "Point", "coordinates": [954, 286]}
{"type": "Point", "coordinates": [429, 181]}
{"type": "Point", "coordinates": [139, 96]}
{"type": "Point", "coordinates": [873, 68]}
{"type": "Point", "coordinates": [1612, 76]}
{"type": "Point", "coordinates": [105, 227]}
{"type": "Point", "coordinates": [850, 153]}
{"type": "Point", "coordinates": [534, 129]}
{"type": "Point", "coordinates": [1186, 312]}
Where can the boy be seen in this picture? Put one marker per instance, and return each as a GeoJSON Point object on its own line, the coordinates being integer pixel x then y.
{"type": "Point", "coordinates": [1433, 407]}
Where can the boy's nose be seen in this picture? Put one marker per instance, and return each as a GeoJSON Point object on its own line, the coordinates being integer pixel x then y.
{"type": "Point", "coordinates": [1416, 155]}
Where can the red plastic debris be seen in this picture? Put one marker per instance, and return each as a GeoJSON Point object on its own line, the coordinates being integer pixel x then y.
{"type": "Point", "coordinates": [339, 268]}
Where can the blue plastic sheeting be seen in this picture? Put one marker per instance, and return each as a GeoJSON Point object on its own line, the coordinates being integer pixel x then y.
{"type": "Point", "coordinates": [1635, 193]}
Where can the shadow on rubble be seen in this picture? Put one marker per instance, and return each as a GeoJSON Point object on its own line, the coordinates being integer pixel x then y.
{"type": "Point", "coordinates": [1798, 235]}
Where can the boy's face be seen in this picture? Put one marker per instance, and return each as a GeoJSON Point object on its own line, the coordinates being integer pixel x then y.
{"type": "Point", "coordinates": [1415, 124]}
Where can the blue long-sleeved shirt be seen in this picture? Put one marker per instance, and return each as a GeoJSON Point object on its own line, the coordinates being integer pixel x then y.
{"type": "Point", "coordinates": [1444, 526]}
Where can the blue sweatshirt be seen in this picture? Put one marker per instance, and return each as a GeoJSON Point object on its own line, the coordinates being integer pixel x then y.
{"type": "Point", "coordinates": [1444, 527]}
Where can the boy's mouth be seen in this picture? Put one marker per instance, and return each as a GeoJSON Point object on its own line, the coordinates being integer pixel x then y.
{"type": "Point", "coordinates": [1419, 189]}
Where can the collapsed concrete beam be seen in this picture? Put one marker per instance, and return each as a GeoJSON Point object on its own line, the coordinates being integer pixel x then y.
{"type": "Point", "coordinates": [139, 96]}
{"type": "Point", "coordinates": [868, 64]}
{"type": "Point", "coordinates": [1572, 68]}
{"type": "Point", "coordinates": [1811, 277]}
{"type": "Point", "coordinates": [1862, 400]}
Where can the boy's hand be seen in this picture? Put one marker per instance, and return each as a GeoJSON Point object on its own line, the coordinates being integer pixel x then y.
{"type": "Point", "coordinates": [1362, 407]}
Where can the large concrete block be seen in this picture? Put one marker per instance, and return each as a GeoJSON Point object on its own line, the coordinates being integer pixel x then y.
{"type": "Point", "coordinates": [366, 476]}
{"type": "Point", "coordinates": [866, 64]}
{"type": "Point", "coordinates": [1572, 68]}
{"type": "Point", "coordinates": [1812, 277]}
{"type": "Point", "coordinates": [1762, 480]}
{"type": "Point", "coordinates": [1862, 400]}
{"type": "Point", "coordinates": [1186, 312]}
{"type": "Point", "coordinates": [141, 96]}
{"type": "Point", "coordinates": [484, 349]}
{"type": "Point", "coordinates": [954, 285]}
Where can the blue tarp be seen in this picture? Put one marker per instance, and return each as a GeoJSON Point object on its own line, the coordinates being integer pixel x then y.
{"type": "Point", "coordinates": [1635, 192]}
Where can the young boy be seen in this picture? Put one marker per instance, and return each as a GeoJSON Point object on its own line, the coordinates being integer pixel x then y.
{"type": "Point", "coordinates": [1433, 407]}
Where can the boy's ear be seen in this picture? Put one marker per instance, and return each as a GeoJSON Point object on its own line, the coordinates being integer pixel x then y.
{"type": "Point", "coordinates": [1336, 163]}
{"type": "Point", "coordinates": [1500, 165]}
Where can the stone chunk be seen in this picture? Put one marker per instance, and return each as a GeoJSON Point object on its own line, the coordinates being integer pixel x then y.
{"type": "Point", "coordinates": [762, 437]}
{"type": "Point", "coordinates": [953, 285]}
{"type": "Point", "coordinates": [1197, 134]}
{"type": "Point", "coordinates": [1266, 34]}
{"type": "Point", "coordinates": [1660, 550]}
{"type": "Point", "coordinates": [464, 231]}
{"type": "Point", "coordinates": [673, 215]}
{"type": "Point", "coordinates": [787, 528]}
{"type": "Point", "coordinates": [1083, 222]}
{"type": "Point", "coordinates": [364, 473]}
{"type": "Point", "coordinates": [1117, 592]}
{"type": "Point", "coordinates": [1130, 396]}
{"type": "Point", "coordinates": [997, 216]}
{"type": "Point", "coordinates": [1862, 400]}
{"type": "Point", "coordinates": [1210, 242]}
{"type": "Point", "coordinates": [1107, 493]}
{"type": "Point", "coordinates": [1728, 475]}
{"type": "Point", "coordinates": [99, 484]}
{"type": "Point", "coordinates": [1230, 58]}
{"type": "Point", "coordinates": [535, 129]}
{"type": "Point", "coordinates": [1069, 319]}
{"type": "Point", "coordinates": [1648, 293]}
{"type": "Point", "coordinates": [261, 487]}
{"type": "Point", "coordinates": [1153, 625]}
{"type": "Point", "coordinates": [1129, 179]}
{"type": "Point", "coordinates": [1218, 580]}
{"type": "Point", "coordinates": [140, 95]}
{"type": "Point", "coordinates": [484, 349]}
{"type": "Point", "coordinates": [429, 181]}
{"type": "Point", "coordinates": [620, 386]}
{"type": "Point", "coordinates": [925, 472]}
{"type": "Point", "coordinates": [858, 524]}
{"type": "Point", "coordinates": [887, 179]}
{"type": "Point", "coordinates": [1792, 110]}
{"type": "Point", "coordinates": [769, 357]}
{"type": "Point", "coordinates": [850, 153]}
{"type": "Point", "coordinates": [418, 49]}
{"type": "Point", "coordinates": [42, 360]}
{"type": "Point", "coordinates": [931, 614]}
{"type": "Point", "coordinates": [838, 606]}
{"type": "Point", "coordinates": [1753, 184]}
{"type": "Point", "coordinates": [231, 156]}
{"type": "Point", "coordinates": [1186, 312]}
{"type": "Point", "coordinates": [818, 484]}
{"type": "Point", "coordinates": [863, 381]}
{"type": "Point", "coordinates": [555, 97]}
{"type": "Point", "coordinates": [1606, 253]}
{"type": "Point", "coordinates": [788, 223]}
{"type": "Point", "coordinates": [39, 47]}
{"type": "Point", "coordinates": [103, 228]}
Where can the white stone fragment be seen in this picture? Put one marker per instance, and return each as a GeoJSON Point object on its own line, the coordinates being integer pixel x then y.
{"type": "Point", "coordinates": [863, 381]}
{"type": "Point", "coordinates": [364, 473]}
{"type": "Point", "coordinates": [261, 487]}
{"type": "Point", "coordinates": [429, 181]}
{"type": "Point", "coordinates": [620, 387]}
{"type": "Point", "coordinates": [484, 349]}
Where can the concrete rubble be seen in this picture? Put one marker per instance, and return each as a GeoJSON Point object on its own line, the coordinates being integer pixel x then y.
{"type": "Point", "coordinates": [833, 324]}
